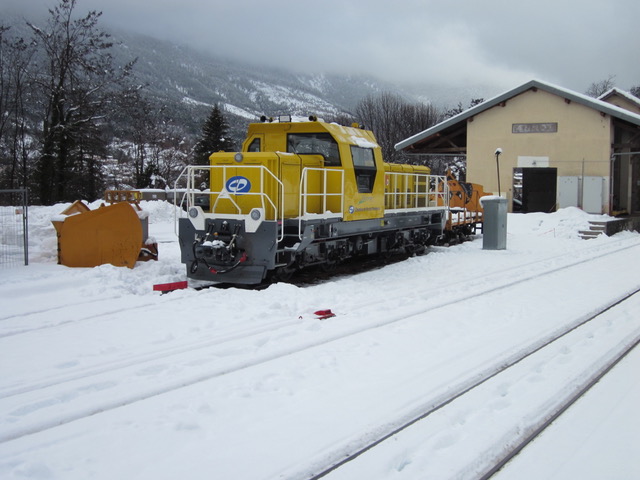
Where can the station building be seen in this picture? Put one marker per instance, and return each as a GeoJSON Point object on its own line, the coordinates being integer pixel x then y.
{"type": "Point", "coordinates": [552, 147]}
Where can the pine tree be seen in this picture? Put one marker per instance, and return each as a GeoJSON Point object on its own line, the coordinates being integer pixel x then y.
{"type": "Point", "coordinates": [215, 137]}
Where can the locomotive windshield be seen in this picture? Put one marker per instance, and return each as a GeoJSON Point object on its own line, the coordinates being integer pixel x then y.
{"type": "Point", "coordinates": [315, 144]}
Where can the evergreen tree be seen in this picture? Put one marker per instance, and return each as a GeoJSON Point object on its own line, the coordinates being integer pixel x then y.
{"type": "Point", "coordinates": [215, 137]}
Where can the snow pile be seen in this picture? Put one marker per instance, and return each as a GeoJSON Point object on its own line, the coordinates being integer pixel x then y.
{"type": "Point", "coordinates": [160, 212]}
{"type": "Point", "coordinates": [565, 223]}
{"type": "Point", "coordinates": [43, 249]}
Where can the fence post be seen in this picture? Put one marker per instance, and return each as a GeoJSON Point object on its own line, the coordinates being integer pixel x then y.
{"type": "Point", "coordinates": [10, 200]}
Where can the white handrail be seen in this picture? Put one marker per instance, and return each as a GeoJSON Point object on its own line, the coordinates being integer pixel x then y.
{"type": "Point", "coordinates": [265, 199]}
{"type": "Point", "coordinates": [323, 194]}
{"type": "Point", "coordinates": [405, 191]}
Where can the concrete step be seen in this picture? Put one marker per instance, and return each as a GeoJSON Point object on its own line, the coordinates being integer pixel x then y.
{"type": "Point", "coordinates": [596, 228]}
{"type": "Point", "coordinates": [588, 234]}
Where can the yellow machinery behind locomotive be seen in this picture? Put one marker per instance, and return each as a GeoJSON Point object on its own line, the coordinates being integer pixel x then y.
{"type": "Point", "coordinates": [312, 193]}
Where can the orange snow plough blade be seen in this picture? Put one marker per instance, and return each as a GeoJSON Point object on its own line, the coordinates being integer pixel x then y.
{"type": "Point", "coordinates": [88, 238]}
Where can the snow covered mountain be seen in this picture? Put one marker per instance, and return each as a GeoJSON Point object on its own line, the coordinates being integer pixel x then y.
{"type": "Point", "coordinates": [190, 83]}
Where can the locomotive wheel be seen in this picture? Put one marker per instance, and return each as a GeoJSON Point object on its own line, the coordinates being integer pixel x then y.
{"type": "Point", "coordinates": [282, 274]}
{"type": "Point", "coordinates": [329, 266]}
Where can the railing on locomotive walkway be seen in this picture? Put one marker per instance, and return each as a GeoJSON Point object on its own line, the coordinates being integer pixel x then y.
{"type": "Point", "coordinates": [14, 228]}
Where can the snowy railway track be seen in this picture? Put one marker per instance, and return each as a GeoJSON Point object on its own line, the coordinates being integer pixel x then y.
{"type": "Point", "coordinates": [85, 388]}
{"type": "Point", "coordinates": [580, 391]}
{"type": "Point", "coordinates": [560, 261]}
{"type": "Point", "coordinates": [522, 271]}
{"type": "Point", "coordinates": [521, 437]}
{"type": "Point", "coordinates": [503, 278]}
{"type": "Point", "coordinates": [55, 313]}
{"type": "Point", "coordinates": [64, 316]}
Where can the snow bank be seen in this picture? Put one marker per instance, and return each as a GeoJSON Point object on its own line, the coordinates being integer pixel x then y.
{"type": "Point", "coordinates": [565, 223]}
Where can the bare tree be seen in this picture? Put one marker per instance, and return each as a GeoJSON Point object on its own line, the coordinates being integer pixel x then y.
{"type": "Point", "coordinates": [76, 81]}
{"type": "Point", "coordinates": [393, 119]}
{"type": "Point", "coordinates": [597, 89]}
{"type": "Point", "coordinates": [15, 56]}
{"type": "Point", "coordinates": [342, 118]}
{"type": "Point", "coordinates": [458, 109]}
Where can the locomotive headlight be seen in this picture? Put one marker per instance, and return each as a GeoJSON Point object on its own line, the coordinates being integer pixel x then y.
{"type": "Point", "coordinates": [255, 219]}
{"type": "Point", "coordinates": [238, 157]}
{"type": "Point", "coordinates": [196, 217]}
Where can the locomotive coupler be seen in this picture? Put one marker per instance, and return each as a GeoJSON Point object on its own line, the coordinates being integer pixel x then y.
{"type": "Point", "coordinates": [212, 250]}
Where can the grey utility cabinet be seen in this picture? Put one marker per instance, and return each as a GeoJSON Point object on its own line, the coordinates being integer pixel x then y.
{"type": "Point", "coordinates": [494, 228]}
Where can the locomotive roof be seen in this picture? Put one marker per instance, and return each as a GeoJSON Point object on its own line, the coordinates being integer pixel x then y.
{"type": "Point", "coordinates": [348, 135]}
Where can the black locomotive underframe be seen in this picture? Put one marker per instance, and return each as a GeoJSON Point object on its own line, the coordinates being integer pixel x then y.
{"type": "Point", "coordinates": [226, 252]}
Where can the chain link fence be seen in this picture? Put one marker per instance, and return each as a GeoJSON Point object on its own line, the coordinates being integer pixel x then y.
{"type": "Point", "coordinates": [14, 232]}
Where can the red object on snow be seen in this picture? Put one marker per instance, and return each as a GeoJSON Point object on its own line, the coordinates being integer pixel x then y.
{"type": "Point", "coordinates": [170, 287]}
{"type": "Point", "coordinates": [322, 314]}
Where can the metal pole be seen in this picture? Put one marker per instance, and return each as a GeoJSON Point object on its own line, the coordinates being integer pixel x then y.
{"type": "Point", "coordinates": [498, 152]}
{"type": "Point", "coordinates": [25, 225]}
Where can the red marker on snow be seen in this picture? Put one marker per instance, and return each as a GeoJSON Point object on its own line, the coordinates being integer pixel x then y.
{"type": "Point", "coordinates": [170, 287]}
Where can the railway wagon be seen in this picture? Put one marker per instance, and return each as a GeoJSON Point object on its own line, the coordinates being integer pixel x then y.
{"type": "Point", "coordinates": [303, 193]}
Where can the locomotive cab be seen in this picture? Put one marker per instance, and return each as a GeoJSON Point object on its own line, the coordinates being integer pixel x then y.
{"type": "Point", "coordinates": [326, 146]}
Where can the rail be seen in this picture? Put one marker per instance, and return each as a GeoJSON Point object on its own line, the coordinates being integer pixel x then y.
{"type": "Point", "coordinates": [116, 196]}
{"type": "Point", "coordinates": [410, 191]}
{"type": "Point", "coordinates": [462, 216]}
{"type": "Point", "coordinates": [333, 177]}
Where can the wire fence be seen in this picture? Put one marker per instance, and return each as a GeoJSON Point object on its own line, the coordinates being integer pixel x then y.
{"type": "Point", "coordinates": [14, 231]}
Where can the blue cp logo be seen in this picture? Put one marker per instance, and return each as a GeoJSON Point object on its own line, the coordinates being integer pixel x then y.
{"type": "Point", "coordinates": [238, 185]}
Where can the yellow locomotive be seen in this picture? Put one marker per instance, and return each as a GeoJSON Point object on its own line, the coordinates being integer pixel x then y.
{"type": "Point", "coordinates": [304, 193]}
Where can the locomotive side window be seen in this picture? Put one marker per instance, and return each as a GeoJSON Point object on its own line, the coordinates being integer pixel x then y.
{"type": "Point", "coordinates": [315, 144]}
{"type": "Point", "coordinates": [364, 166]}
{"type": "Point", "coordinates": [255, 145]}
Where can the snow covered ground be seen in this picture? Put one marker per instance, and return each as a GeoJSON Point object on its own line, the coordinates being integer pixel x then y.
{"type": "Point", "coordinates": [100, 377]}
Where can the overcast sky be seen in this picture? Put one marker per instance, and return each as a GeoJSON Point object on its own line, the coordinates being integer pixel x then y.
{"type": "Point", "coordinates": [463, 44]}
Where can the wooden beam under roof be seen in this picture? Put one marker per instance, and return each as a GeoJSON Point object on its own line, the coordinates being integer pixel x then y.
{"type": "Point", "coordinates": [437, 142]}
